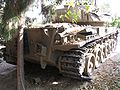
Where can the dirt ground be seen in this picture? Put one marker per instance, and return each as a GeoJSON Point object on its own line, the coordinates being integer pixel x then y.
{"type": "Point", "coordinates": [106, 77]}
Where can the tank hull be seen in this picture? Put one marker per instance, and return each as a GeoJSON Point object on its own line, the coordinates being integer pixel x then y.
{"type": "Point", "coordinates": [75, 51]}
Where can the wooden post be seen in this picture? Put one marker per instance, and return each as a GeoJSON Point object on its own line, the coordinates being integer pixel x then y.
{"type": "Point", "coordinates": [20, 60]}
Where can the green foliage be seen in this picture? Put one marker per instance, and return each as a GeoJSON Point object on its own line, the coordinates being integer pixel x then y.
{"type": "Point", "coordinates": [71, 3]}
{"type": "Point", "coordinates": [11, 13]}
{"type": "Point", "coordinates": [116, 21]}
{"type": "Point", "coordinates": [74, 15]}
{"type": "Point", "coordinates": [14, 8]}
{"type": "Point", "coordinates": [71, 15]}
{"type": "Point", "coordinates": [7, 30]}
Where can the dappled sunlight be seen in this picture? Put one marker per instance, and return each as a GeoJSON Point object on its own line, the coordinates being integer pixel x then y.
{"type": "Point", "coordinates": [55, 83]}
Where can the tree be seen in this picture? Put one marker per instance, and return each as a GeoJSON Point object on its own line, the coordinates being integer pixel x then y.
{"type": "Point", "coordinates": [15, 8]}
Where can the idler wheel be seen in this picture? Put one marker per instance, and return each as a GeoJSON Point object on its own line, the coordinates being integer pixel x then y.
{"type": "Point", "coordinates": [89, 64]}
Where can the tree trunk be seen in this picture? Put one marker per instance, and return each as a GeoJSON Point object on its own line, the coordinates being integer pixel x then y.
{"type": "Point", "coordinates": [20, 60]}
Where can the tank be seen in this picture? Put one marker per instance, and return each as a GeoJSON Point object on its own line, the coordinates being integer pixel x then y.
{"type": "Point", "coordinates": [75, 49]}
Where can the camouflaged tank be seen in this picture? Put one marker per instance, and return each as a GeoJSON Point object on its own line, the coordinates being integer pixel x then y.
{"type": "Point", "coordinates": [75, 49]}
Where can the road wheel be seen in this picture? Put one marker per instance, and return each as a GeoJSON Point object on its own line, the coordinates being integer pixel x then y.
{"type": "Point", "coordinates": [108, 47]}
{"type": "Point", "coordinates": [111, 45]}
{"type": "Point", "coordinates": [114, 44]}
{"type": "Point", "coordinates": [98, 56]}
{"type": "Point", "coordinates": [89, 64]}
{"type": "Point", "coordinates": [103, 52]}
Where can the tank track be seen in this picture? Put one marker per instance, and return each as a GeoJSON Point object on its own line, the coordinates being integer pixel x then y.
{"type": "Point", "coordinates": [71, 64]}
